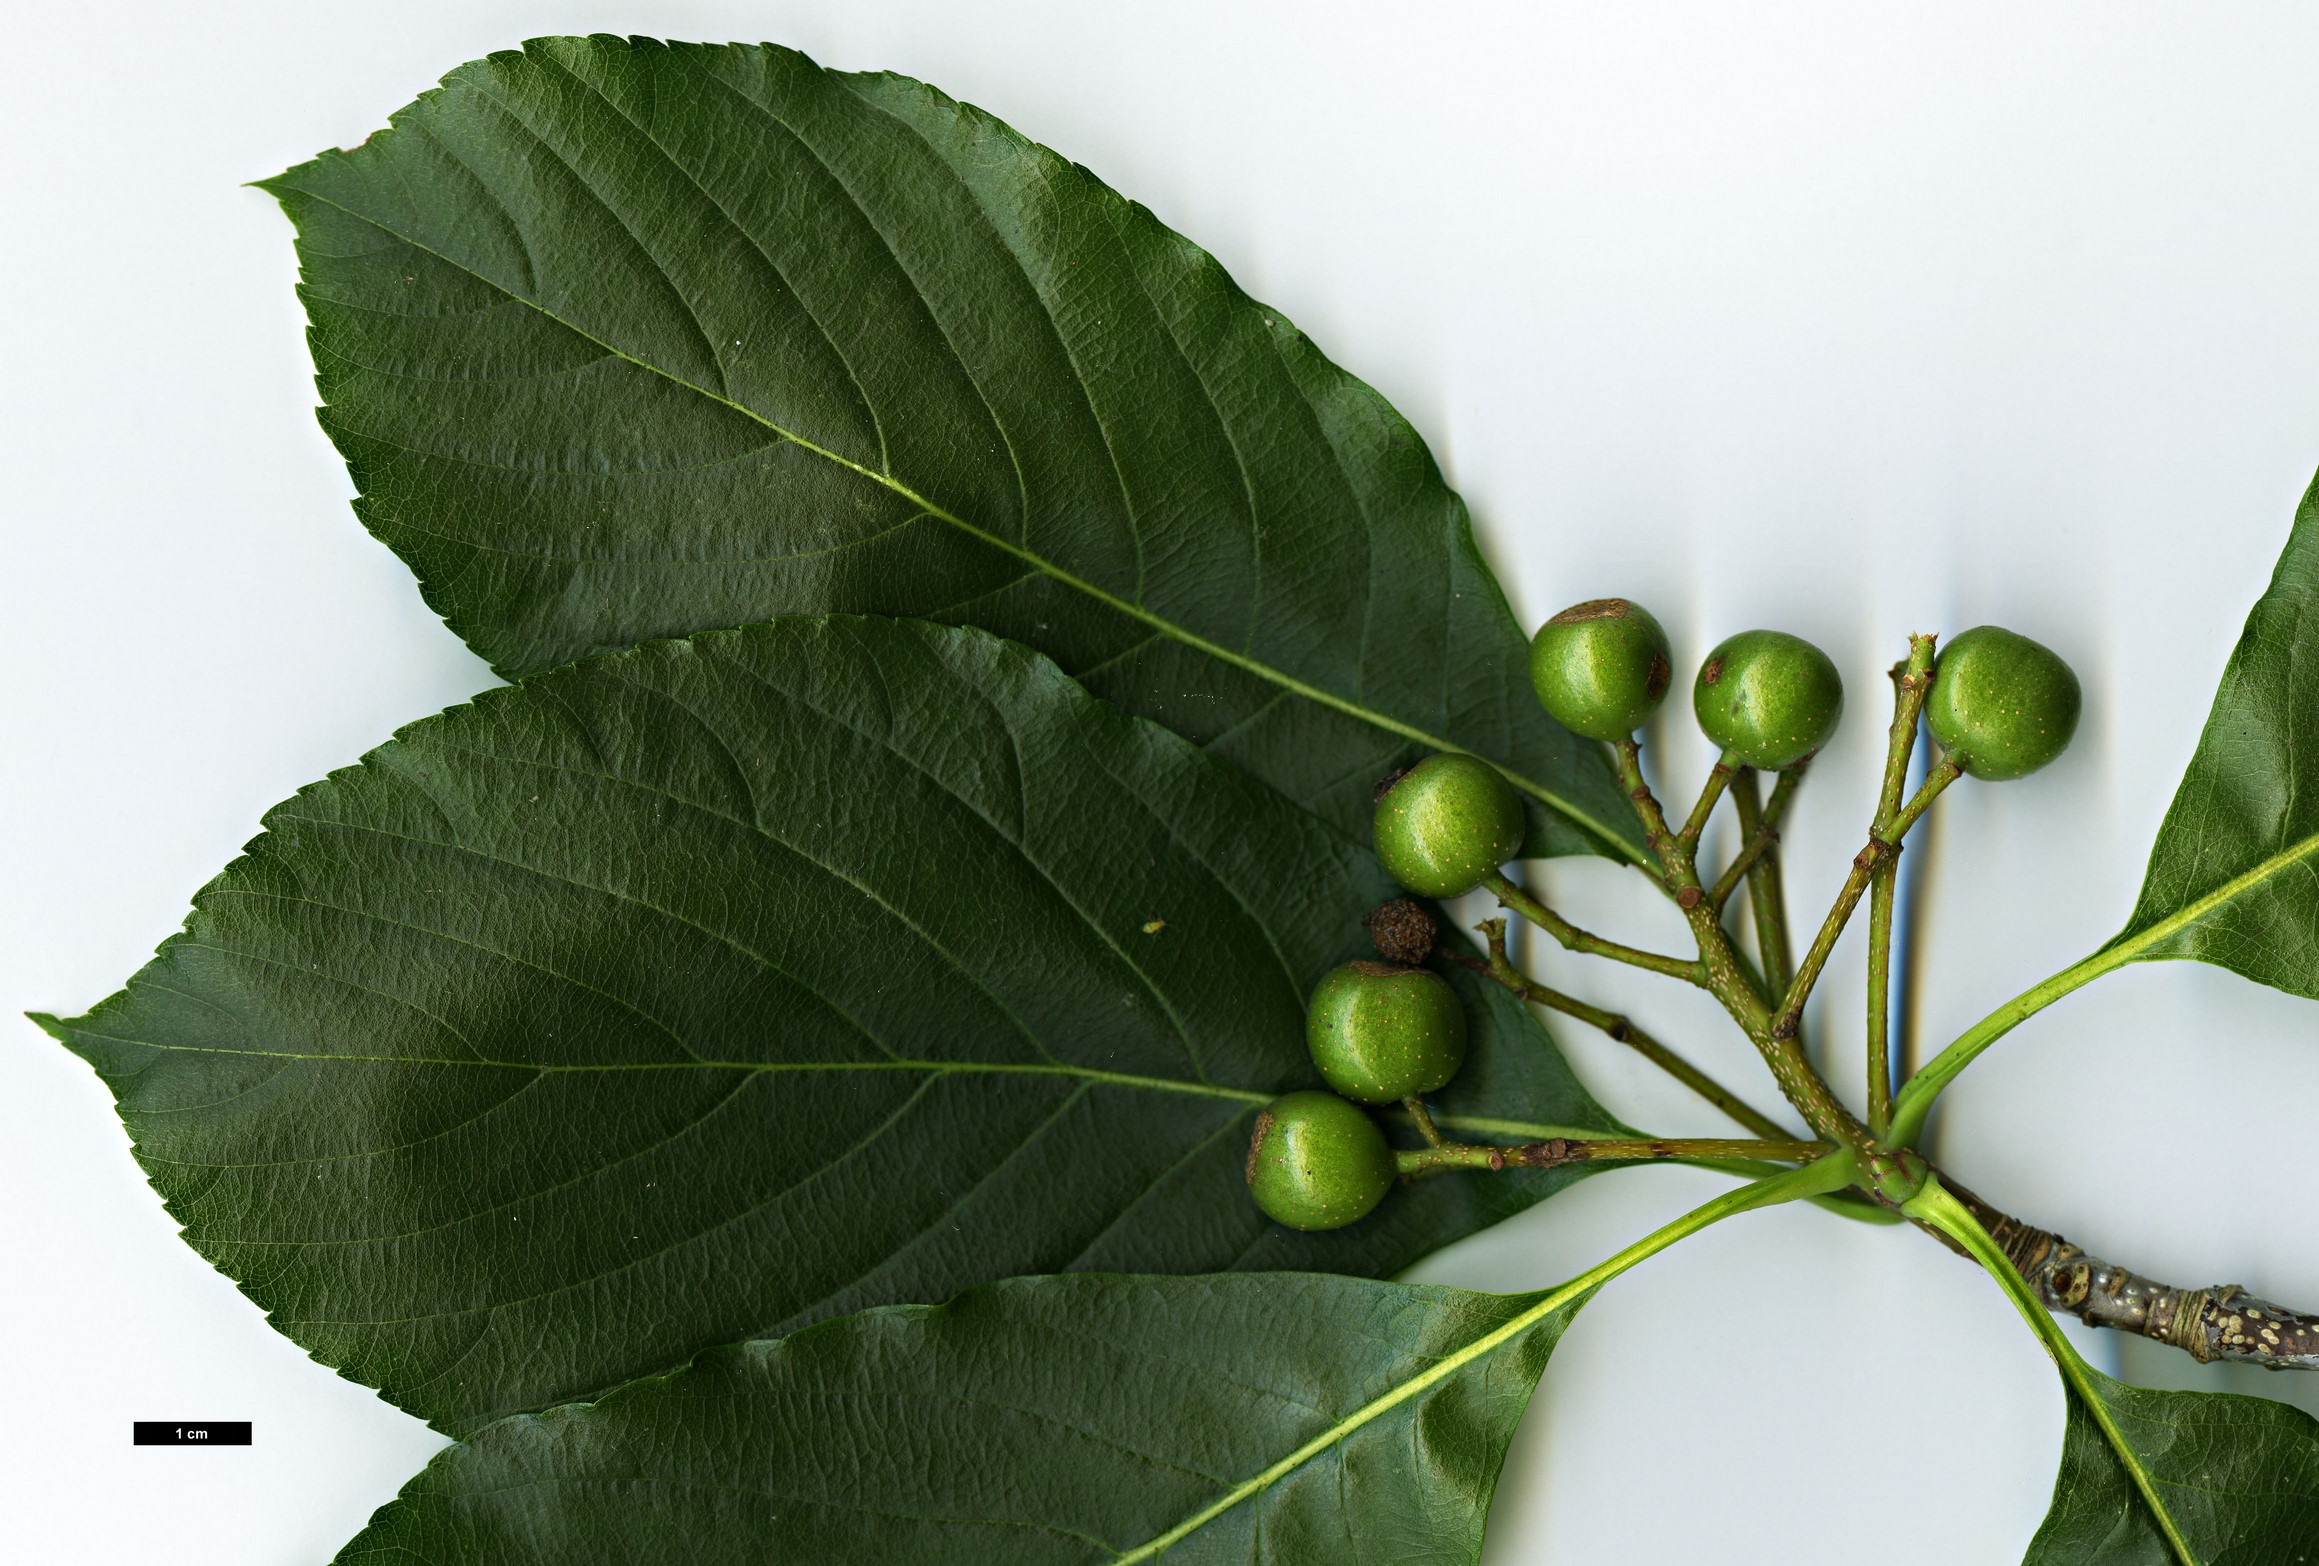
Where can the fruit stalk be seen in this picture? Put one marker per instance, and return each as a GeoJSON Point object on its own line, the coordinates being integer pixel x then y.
{"type": "Point", "coordinates": [1880, 900]}
{"type": "Point", "coordinates": [1622, 1030]}
{"type": "Point", "coordinates": [1879, 850]}
{"type": "Point", "coordinates": [1759, 829]}
{"type": "Point", "coordinates": [1725, 977]}
{"type": "Point", "coordinates": [1766, 884]}
{"type": "Point", "coordinates": [1509, 895]}
{"type": "Point", "coordinates": [1557, 1151]}
{"type": "Point", "coordinates": [1718, 778]}
{"type": "Point", "coordinates": [1672, 861]}
{"type": "Point", "coordinates": [1911, 679]}
{"type": "Point", "coordinates": [1424, 1118]}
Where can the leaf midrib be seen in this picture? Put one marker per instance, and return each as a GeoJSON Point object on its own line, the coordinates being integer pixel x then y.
{"type": "Point", "coordinates": [1525, 1130]}
{"type": "Point", "coordinates": [1094, 1074]}
{"type": "Point", "coordinates": [1376, 1408]}
{"type": "Point", "coordinates": [1950, 1216]}
{"type": "Point", "coordinates": [2073, 1371]}
{"type": "Point", "coordinates": [1814, 1178]}
{"type": "Point", "coordinates": [1261, 670]}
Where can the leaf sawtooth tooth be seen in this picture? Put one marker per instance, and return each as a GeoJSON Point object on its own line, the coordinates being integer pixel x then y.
{"type": "Point", "coordinates": [697, 992]}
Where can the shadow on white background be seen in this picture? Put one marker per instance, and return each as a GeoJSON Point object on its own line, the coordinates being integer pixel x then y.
{"type": "Point", "coordinates": [1845, 320]}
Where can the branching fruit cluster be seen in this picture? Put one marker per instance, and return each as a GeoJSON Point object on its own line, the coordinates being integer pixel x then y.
{"type": "Point", "coordinates": [1392, 1032]}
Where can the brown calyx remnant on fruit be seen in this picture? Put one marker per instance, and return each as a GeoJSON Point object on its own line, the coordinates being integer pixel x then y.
{"type": "Point", "coordinates": [1593, 609]}
{"type": "Point", "coordinates": [1385, 784]}
{"type": "Point", "coordinates": [1256, 1146]}
{"type": "Point", "coordinates": [1402, 931]}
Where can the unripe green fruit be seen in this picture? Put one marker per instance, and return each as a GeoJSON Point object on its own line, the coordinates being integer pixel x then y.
{"type": "Point", "coordinates": [1381, 1033]}
{"type": "Point", "coordinates": [1445, 823]}
{"type": "Point", "coordinates": [2001, 705]}
{"type": "Point", "coordinates": [1317, 1162]}
{"type": "Point", "coordinates": [1769, 698]}
{"type": "Point", "coordinates": [1600, 668]}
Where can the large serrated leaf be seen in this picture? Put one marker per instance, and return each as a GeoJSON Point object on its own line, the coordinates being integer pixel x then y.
{"type": "Point", "coordinates": [623, 339]}
{"type": "Point", "coordinates": [1039, 1422]}
{"type": "Point", "coordinates": [2180, 1479]}
{"type": "Point", "coordinates": [693, 993]}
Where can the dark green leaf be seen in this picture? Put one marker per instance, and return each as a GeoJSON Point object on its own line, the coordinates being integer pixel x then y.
{"type": "Point", "coordinates": [693, 993]}
{"type": "Point", "coordinates": [2234, 878]}
{"type": "Point", "coordinates": [2234, 1480]}
{"type": "Point", "coordinates": [1283, 1418]}
{"type": "Point", "coordinates": [625, 339]}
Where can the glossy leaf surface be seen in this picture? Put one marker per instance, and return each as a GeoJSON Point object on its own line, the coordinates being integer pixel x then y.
{"type": "Point", "coordinates": [692, 993]}
{"type": "Point", "coordinates": [1268, 1418]}
{"type": "Point", "coordinates": [2152, 1478]}
{"type": "Point", "coordinates": [623, 339]}
{"type": "Point", "coordinates": [2234, 878]}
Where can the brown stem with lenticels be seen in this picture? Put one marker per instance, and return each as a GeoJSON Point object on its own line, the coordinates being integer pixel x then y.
{"type": "Point", "coordinates": [2221, 1321]}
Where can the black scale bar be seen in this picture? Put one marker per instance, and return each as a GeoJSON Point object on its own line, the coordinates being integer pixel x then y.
{"type": "Point", "coordinates": [212, 1432]}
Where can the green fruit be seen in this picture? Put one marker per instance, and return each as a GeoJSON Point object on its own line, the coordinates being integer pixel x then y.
{"type": "Point", "coordinates": [2001, 705]}
{"type": "Point", "coordinates": [1445, 823]}
{"type": "Point", "coordinates": [1769, 698]}
{"type": "Point", "coordinates": [1317, 1162]}
{"type": "Point", "coordinates": [1381, 1033]}
{"type": "Point", "coordinates": [1600, 668]}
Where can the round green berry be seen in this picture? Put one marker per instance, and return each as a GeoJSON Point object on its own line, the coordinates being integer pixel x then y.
{"type": "Point", "coordinates": [1317, 1162]}
{"type": "Point", "coordinates": [1769, 698]}
{"type": "Point", "coordinates": [2001, 705]}
{"type": "Point", "coordinates": [1381, 1032]}
{"type": "Point", "coordinates": [1445, 823]}
{"type": "Point", "coordinates": [1601, 667]}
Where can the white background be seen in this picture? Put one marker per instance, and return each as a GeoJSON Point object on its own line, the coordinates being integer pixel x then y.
{"type": "Point", "coordinates": [1845, 319]}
